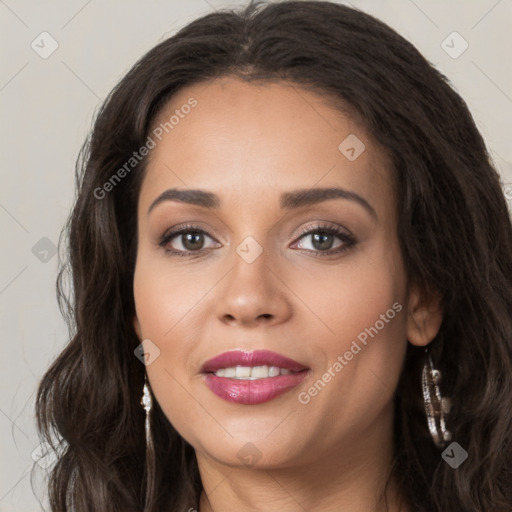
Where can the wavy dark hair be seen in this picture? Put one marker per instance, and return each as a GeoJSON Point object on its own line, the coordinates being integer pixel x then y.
{"type": "Point", "coordinates": [454, 230]}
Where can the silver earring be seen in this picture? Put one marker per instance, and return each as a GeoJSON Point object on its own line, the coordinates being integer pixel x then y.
{"type": "Point", "coordinates": [147, 403]}
{"type": "Point", "coordinates": [436, 406]}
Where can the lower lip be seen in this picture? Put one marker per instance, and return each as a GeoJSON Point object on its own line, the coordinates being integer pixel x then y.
{"type": "Point", "coordinates": [252, 392]}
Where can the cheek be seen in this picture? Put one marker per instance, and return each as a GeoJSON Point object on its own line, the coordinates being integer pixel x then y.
{"type": "Point", "coordinates": [363, 326]}
{"type": "Point", "coordinates": [355, 312]}
{"type": "Point", "coordinates": [167, 301]}
{"type": "Point", "coordinates": [344, 300]}
{"type": "Point", "coordinates": [166, 294]}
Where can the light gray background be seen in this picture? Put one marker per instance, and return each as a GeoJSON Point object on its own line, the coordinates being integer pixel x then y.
{"type": "Point", "coordinates": [47, 106]}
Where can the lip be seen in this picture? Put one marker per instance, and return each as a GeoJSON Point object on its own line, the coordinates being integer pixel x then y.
{"type": "Point", "coordinates": [252, 392]}
{"type": "Point", "coordinates": [255, 358]}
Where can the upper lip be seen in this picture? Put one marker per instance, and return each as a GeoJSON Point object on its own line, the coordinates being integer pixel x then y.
{"type": "Point", "coordinates": [255, 358]}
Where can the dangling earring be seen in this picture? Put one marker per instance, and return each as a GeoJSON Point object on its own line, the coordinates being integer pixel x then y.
{"type": "Point", "coordinates": [436, 407]}
{"type": "Point", "coordinates": [147, 403]}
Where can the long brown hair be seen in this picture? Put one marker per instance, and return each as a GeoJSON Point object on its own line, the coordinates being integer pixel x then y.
{"type": "Point", "coordinates": [454, 229]}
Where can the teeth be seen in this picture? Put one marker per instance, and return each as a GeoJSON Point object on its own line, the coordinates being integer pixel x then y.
{"type": "Point", "coordinates": [251, 372]}
{"type": "Point", "coordinates": [230, 372]}
{"type": "Point", "coordinates": [273, 371]}
{"type": "Point", "coordinates": [243, 372]}
{"type": "Point", "coordinates": [258, 372]}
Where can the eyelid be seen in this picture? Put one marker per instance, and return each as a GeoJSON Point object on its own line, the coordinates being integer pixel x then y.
{"type": "Point", "coordinates": [322, 225]}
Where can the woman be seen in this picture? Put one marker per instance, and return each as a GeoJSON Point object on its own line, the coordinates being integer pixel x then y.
{"type": "Point", "coordinates": [342, 337]}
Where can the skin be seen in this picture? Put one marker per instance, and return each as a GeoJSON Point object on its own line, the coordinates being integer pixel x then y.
{"type": "Point", "coordinates": [248, 143]}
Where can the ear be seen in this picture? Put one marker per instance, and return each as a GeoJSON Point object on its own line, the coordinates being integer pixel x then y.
{"type": "Point", "coordinates": [136, 326]}
{"type": "Point", "coordinates": [424, 316]}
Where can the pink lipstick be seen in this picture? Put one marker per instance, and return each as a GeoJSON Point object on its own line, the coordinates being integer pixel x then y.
{"type": "Point", "coordinates": [252, 378]}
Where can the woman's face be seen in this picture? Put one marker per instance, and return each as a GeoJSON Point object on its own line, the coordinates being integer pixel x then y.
{"type": "Point", "coordinates": [335, 303]}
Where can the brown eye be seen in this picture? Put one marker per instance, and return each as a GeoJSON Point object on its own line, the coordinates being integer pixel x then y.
{"type": "Point", "coordinates": [188, 239]}
{"type": "Point", "coordinates": [322, 241]}
{"type": "Point", "coordinates": [192, 240]}
{"type": "Point", "coordinates": [323, 238]}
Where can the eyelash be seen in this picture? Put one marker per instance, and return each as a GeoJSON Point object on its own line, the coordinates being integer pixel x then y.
{"type": "Point", "coordinates": [348, 239]}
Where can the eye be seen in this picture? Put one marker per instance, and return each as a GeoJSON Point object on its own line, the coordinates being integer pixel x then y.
{"type": "Point", "coordinates": [322, 240]}
{"type": "Point", "coordinates": [187, 239]}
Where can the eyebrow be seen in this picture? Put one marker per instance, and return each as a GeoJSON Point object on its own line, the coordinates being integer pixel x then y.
{"type": "Point", "coordinates": [288, 200]}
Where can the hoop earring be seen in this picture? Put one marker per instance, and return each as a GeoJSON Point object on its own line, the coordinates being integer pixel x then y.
{"type": "Point", "coordinates": [436, 406]}
{"type": "Point", "coordinates": [147, 403]}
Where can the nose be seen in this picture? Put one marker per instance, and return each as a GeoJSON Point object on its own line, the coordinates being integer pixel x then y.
{"type": "Point", "coordinates": [253, 294]}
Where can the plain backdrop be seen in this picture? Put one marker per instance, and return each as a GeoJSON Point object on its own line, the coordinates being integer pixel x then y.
{"type": "Point", "coordinates": [47, 106]}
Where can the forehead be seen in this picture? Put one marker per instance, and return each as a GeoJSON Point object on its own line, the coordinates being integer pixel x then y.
{"type": "Point", "coordinates": [249, 138]}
